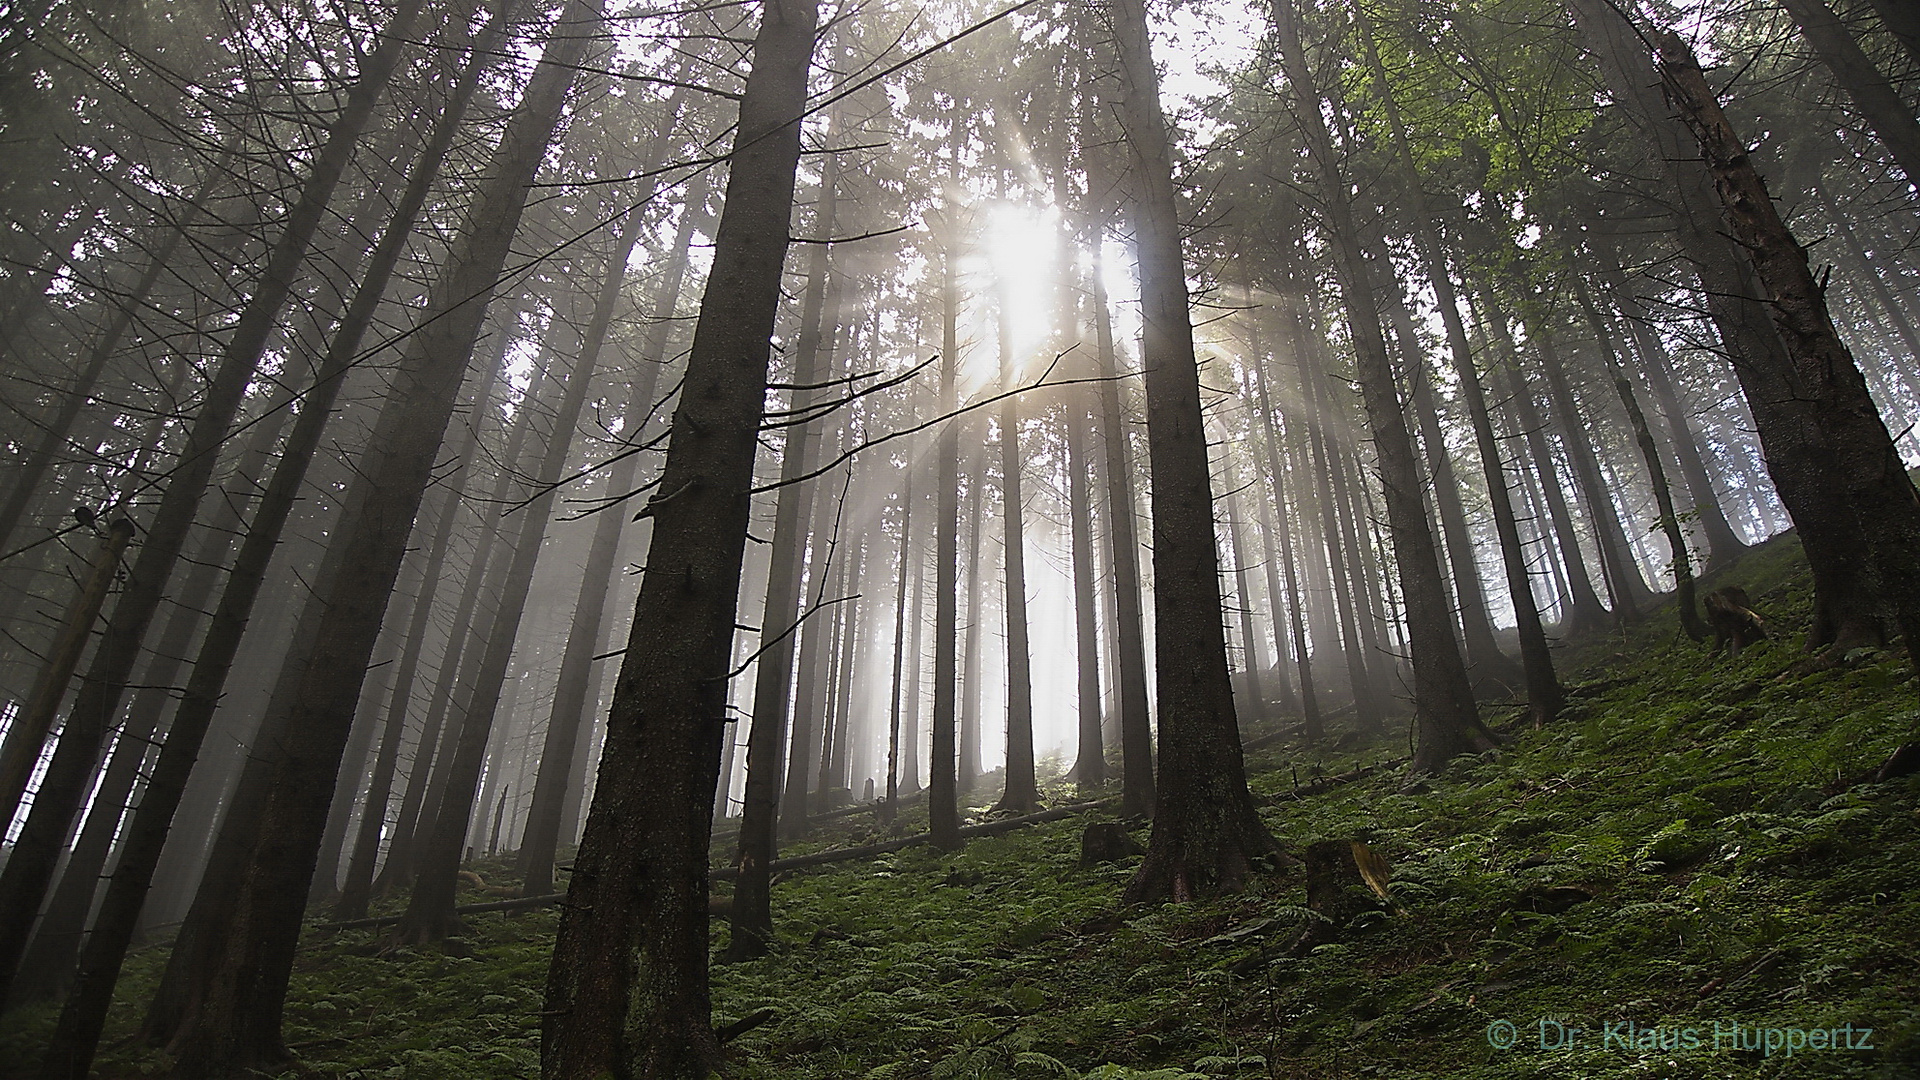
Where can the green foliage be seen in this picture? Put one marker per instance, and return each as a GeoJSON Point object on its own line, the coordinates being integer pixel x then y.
{"type": "Point", "coordinates": [1676, 851]}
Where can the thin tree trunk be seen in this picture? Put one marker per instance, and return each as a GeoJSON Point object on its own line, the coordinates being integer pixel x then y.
{"type": "Point", "coordinates": [1021, 794]}
{"type": "Point", "coordinates": [892, 804]}
{"type": "Point", "coordinates": [570, 706]}
{"type": "Point", "coordinates": [1123, 545]}
{"type": "Point", "coordinates": [1446, 720]}
{"type": "Point", "coordinates": [64, 788]}
{"type": "Point", "coordinates": [1275, 478]}
{"type": "Point", "coordinates": [1681, 562]}
{"type": "Point", "coordinates": [948, 771]}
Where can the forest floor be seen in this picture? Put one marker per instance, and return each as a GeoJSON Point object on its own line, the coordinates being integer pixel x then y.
{"type": "Point", "coordinates": [1684, 859]}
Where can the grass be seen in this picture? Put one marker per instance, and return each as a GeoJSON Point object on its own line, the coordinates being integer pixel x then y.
{"type": "Point", "coordinates": [1680, 850]}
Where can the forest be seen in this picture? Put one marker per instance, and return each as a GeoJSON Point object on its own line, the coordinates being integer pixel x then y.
{"type": "Point", "coordinates": [634, 540]}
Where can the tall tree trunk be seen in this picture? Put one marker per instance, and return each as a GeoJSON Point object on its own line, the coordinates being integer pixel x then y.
{"type": "Point", "coordinates": [1585, 611]}
{"type": "Point", "coordinates": [1544, 695]}
{"type": "Point", "coordinates": [1446, 720]}
{"type": "Point", "coordinates": [1879, 103]}
{"type": "Point", "coordinates": [892, 804]}
{"type": "Point", "coordinates": [819, 317]}
{"type": "Point", "coordinates": [1275, 482]}
{"type": "Point", "coordinates": [636, 917]}
{"type": "Point", "coordinates": [1622, 573]}
{"type": "Point", "coordinates": [1022, 793]}
{"type": "Point", "coordinates": [946, 776]}
{"type": "Point", "coordinates": [1681, 562]}
{"type": "Point", "coordinates": [1723, 544]}
{"type": "Point", "coordinates": [64, 788]}
{"type": "Point", "coordinates": [426, 779]}
{"type": "Point", "coordinates": [1123, 546]}
{"type": "Point", "coordinates": [237, 1029]}
{"type": "Point", "coordinates": [430, 914]}
{"type": "Point", "coordinates": [1825, 390]}
{"type": "Point", "coordinates": [1206, 834]}
{"type": "Point", "coordinates": [570, 705]}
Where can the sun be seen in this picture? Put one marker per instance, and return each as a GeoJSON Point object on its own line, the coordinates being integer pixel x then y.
{"type": "Point", "coordinates": [1018, 271]}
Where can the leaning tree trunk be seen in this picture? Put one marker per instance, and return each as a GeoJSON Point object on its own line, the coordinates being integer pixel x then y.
{"type": "Point", "coordinates": [1206, 834]}
{"type": "Point", "coordinates": [1826, 386]}
{"type": "Point", "coordinates": [81, 1021]}
{"type": "Point", "coordinates": [1872, 93]}
{"type": "Point", "coordinates": [237, 1030]}
{"type": "Point", "coordinates": [635, 921]}
{"type": "Point", "coordinates": [1544, 695]}
{"type": "Point", "coordinates": [63, 789]}
{"type": "Point", "coordinates": [541, 838]}
{"type": "Point", "coordinates": [1446, 720]}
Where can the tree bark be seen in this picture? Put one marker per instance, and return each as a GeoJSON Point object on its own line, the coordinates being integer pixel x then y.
{"type": "Point", "coordinates": [1206, 835]}
{"type": "Point", "coordinates": [636, 914]}
{"type": "Point", "coordinates": [1021, 794]}
{"type": "Point", "coordinates": [1123, 545]}
{"type": "Point", "coordinates": [1816, 413]}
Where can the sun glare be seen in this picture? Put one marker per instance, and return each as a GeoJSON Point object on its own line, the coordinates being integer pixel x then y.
{"type": "Point", "coordinates": [1020, 248]}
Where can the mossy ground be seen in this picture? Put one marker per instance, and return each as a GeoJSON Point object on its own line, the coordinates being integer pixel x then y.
{"type": "Point", "coordinates": [1680, 850]}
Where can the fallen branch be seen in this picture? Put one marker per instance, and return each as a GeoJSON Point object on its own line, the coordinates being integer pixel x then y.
{"type": "Point", "coordinates": [818, 858]}
{"type": "Point", "coordinates": [466, 909]}
{"type": "Point", "coordinates": [990, 828]}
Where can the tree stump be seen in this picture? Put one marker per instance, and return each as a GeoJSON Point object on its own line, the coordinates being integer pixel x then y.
{"type": "Point", "coordinates": [1106, 842]}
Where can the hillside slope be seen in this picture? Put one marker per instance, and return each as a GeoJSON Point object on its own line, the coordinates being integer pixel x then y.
{"type": "Point", "coordinates": [1687, 848]}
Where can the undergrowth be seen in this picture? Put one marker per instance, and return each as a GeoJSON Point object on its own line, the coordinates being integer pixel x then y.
{"type": "Point", "coordinates": [1682, 849]}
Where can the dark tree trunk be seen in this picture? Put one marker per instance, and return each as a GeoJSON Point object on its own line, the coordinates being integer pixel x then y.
{"type": "Point", "coordinates": [1817, 411]}
{"type": "Point", "coordinates": [1022, 794]}
{"type": "Point", "coordinates": [1446, 721]}
{"type": "Point", "coordinates": [635, 923]}
{"type": "Point", "coordinates": [944, 757]}
{"type": "Point", "coordinates": [892, 804]}
{"type": "Point", "coordinates": [35, 718]}
{"type": "Point", "coordinates": [1123, 545]}
{"type": "Point", "coordinates": [237, 1029]}
{"type": "Point", "coordinates": [64, 787]}
{"type": "Point", "coordinates": [1206, 835]}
